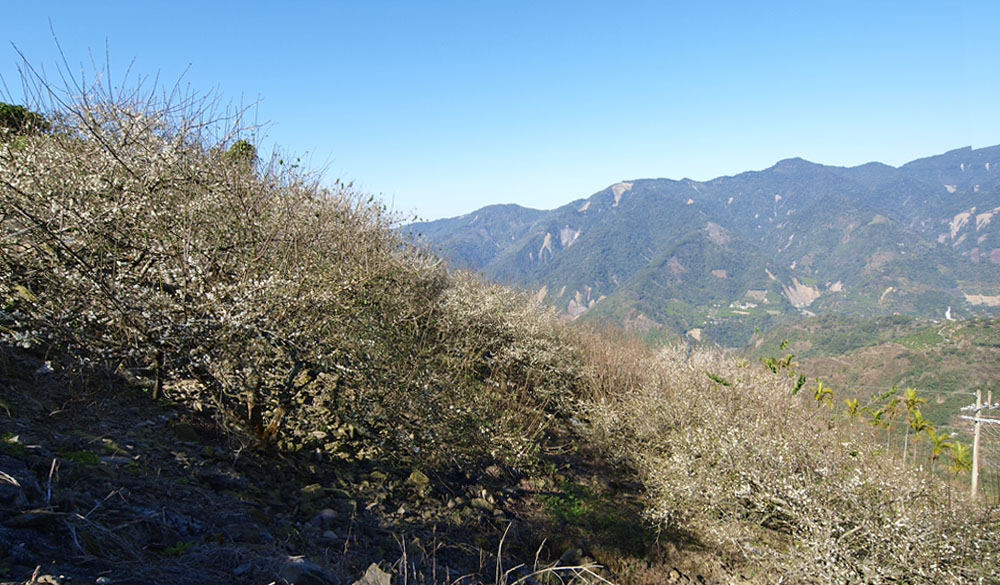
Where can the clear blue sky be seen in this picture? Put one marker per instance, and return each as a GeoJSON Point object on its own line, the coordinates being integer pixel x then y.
{"type": "Point", "coordinates": [443, 107]}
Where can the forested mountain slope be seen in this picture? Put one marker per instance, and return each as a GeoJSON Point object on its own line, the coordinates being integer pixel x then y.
{"type": "Point", "coordinates": [714, 259]}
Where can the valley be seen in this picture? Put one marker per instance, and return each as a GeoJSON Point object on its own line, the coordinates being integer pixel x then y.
{"type": "Point", "coordinates": [947, 361]}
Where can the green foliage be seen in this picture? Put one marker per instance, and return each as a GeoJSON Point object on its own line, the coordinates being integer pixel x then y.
{"type": "Point", "coordinates": [911, 400]}
{"type": "Point", "coordinates": [939, 442]}
{"type": "Point", "coordinates": [838, 334]}
{"type": "Point", "coordinates": [823, 394]}
{"type": "Point", "coordinates": [799, 383]}
{"type": "Point", "coordinates": [852, 407]}
{"type": "Point", "coordinates": [179, 548]}
{"type": "Point", "coordinates": [10, 444]}
{"type": "Point", "coordinates": [776, 364]}
{"type": "Point", "coordinates": [928, 337]}
{"type": "Point", "coordinates": [242, 151]}
{"type": "Point", "coordinates": [580, 506]}
{"type": "Point", "coordinates": [719, 379]}
{"type": "Point", "coordinates": [961, 457]}
{"type": "Point", "coordinates": [570, 504]}
{"type": "Point", "coordinates": [82, 456]}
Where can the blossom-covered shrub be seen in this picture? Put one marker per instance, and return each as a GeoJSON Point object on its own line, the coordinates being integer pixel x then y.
{"type": "Point", "coordinates": [776, 482]}
{"type": "Point", "coordinates": [134, 241]}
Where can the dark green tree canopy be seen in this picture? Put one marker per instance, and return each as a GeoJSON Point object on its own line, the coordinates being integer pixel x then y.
{"type": "Point", "coordinates": [21, 120]}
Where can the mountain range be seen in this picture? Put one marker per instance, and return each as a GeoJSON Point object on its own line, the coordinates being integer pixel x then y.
{"type": "Point", "coordinates": [713, 260]}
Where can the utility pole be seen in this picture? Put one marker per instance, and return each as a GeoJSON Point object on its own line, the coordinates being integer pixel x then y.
{"type": "Point", "coordinates": [975, 445]}
{"type": "Point", "coordinates": [977, 420]}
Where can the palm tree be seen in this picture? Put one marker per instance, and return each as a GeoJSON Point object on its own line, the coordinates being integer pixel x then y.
{"type": "Point", "coordinates": [890, 411]}
{"type": "Point", "coordinates": [911, 400]}
{"type": "Point", "coordinates": [877, 415]}
{"type": "Point", "coordinates": [919, 424]}
{"type": "Point", "coordinates": [853, 410]}
{"type": "Point", "coordinates": [824, 394]}
{"type": "Point", "coordinates": [961, 457]}
{"type": "Point", "coordinates": [939, 442]}
{"type": "Point", "coordinates": [912, 403]}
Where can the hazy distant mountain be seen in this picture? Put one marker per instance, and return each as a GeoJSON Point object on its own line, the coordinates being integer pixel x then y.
{"type": "Point", "coordinates": [711, 260]}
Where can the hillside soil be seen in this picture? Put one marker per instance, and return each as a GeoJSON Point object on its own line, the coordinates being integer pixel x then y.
{"type": "Point", "coordinates": [99, 484]}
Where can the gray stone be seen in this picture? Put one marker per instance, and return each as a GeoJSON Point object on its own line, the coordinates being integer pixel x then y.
{"type": "Point", "coordinates": [311, 492]}
{"type": "Point", "coordinates": [572, 557]}
{"type": "Point", "coordinates": [374, 576]}
{"type": "Point", "coordinates": [345, 507]}
{"type": "Point", "coordinates": [17, 483]}
{"type": "Point", "coordinates": [339, 494]}
{"type": "Point", "coordinates": [326, 518]}
{"type": "Point", "coordinates": [221, 482]}
{"type": "Point", "coordinates": [186, 432]}
{"type": "Point", "coordinates": [418, 478]}
{"type": "Point", "coordinates": [298, 571]}
{"type": "Point", "coordinates": [481, 504]}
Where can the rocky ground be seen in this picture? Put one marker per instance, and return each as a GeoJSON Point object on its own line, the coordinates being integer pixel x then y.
{"type": "Point", "coordinates": [98, 484]}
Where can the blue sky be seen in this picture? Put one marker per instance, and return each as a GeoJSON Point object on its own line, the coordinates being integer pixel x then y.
{"type": "Point", "coordinates": [441, 108]}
